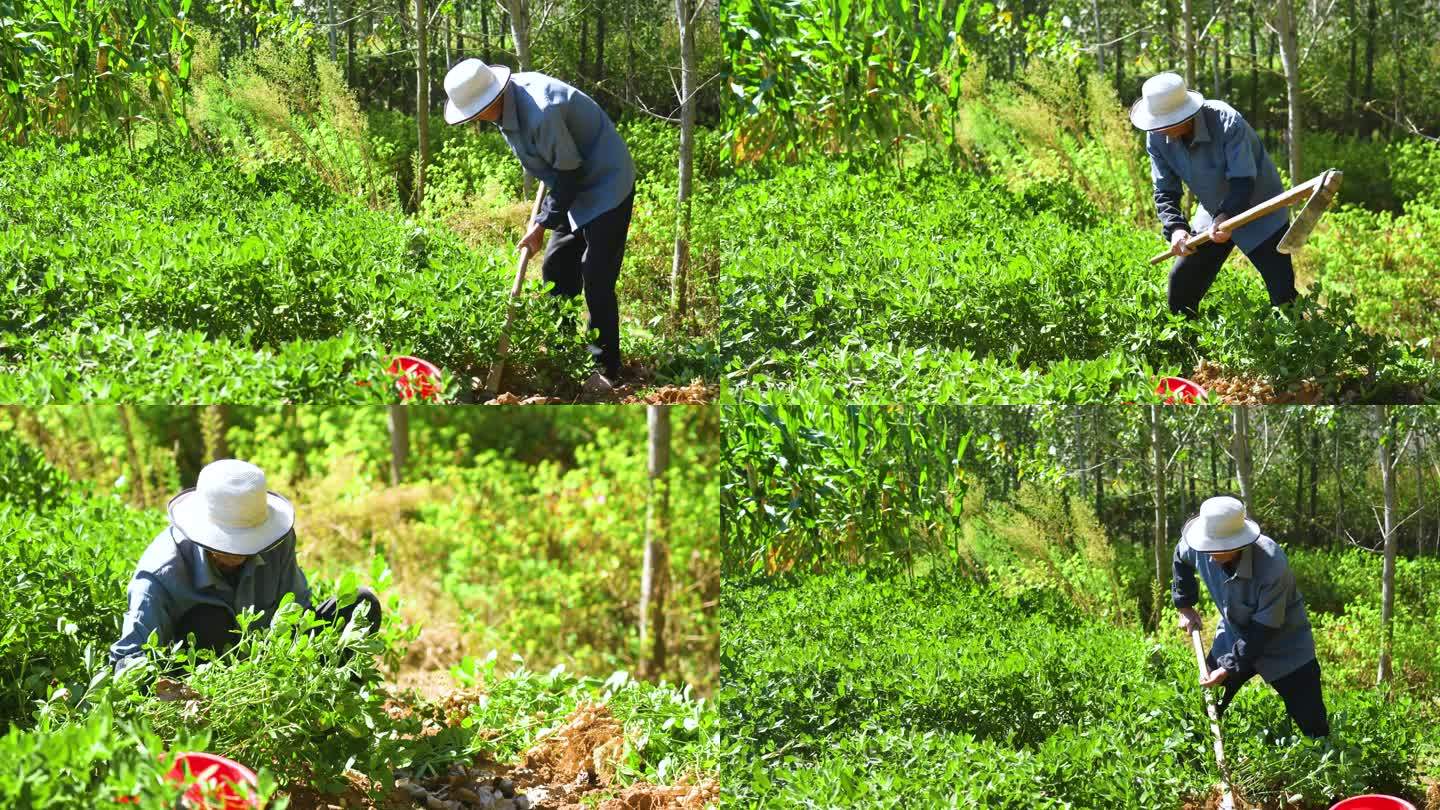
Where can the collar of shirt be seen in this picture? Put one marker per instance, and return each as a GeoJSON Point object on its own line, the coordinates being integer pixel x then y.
{"type": "Point", "coordinates": [508, 120]}
{"type": "Point", "coordinates": [1245, 566]}
{"type": "Point", "coordinates": [203, 572]}
{"type": "Point", "coordinates": [1200, 135]}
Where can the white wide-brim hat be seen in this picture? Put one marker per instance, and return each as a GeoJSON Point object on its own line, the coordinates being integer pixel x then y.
{"type": "Point", "coordinates": [231, 511]}
{"type": "Point", "coordinates": [1220, 526]}
{"type": "Point", "coordinates": [1164, 102]}
{"type": "Point", "coordinates": [471, 86]}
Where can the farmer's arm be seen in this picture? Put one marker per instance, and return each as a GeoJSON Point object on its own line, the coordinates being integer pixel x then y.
{"type": "Point", "coordinates": [148, 612]}
{"type": "Point", "coordinates": [1265, 622]}
{"type": "Point", "coordinates": [1184, 591]}
{"type": "Point", "coordinates": [1168, 193]}
{"type": "Point", "coordinates": [557, 145]}
{"type": "Point", "coordinates": [1239, 168]}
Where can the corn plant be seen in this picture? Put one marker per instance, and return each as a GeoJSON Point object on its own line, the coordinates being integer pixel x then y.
{"type": "Point", "coordinates": [89, 70]}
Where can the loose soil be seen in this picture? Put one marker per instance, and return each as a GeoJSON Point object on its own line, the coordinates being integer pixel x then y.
{"type": "Point", "coordinates": [637, 388]}
{"type": "Point", "coordinates": [1237, 389]}
{"type": "Point", "coordinates": [569, 768]}
{"type": "Point", "coordinates": [1233, 388]}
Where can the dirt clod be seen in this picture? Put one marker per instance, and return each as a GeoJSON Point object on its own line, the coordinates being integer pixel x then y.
{"type": "Point", "coordinates": [645, 796]}
{"type": "Point", "coordinates": [1239, 389]}
{"type": "Point", "coordinates": [589, 739]}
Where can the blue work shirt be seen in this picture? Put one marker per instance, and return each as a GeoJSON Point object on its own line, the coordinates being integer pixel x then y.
{"type": "Point", "coordinates": [1260, 591]}
{"type": "Point", "coordinates": [552, 127]}
{"type": "Point", "coordinates": [174, 575]}
{"type": "Point", "coordinates": [1222, 146]}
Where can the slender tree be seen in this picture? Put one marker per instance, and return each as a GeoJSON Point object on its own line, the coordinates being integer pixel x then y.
{"type": "Point", "coordinates": [1158, 455]}
{"type": "Point", "coordinates": [653, 579]}
{"type": "Point", "coordinates": [686, 12]}
{"type": "Point", "coordinates": [519, 11]}
{"type": "Point", "coordinates": [1387, 576]}
{"type": "Point", "coordinates": [1187, 12]}
{"type": "Point", "coordinates": [1240, 451]}
{"type": "Point", "coordinates": [422, 98]}
{"type": "Point", "coordinates": [399, 426]}
{"type": "Point", "coordinates": [1285, 29]}
{"type": "Point", "coordinates": [213, 423]}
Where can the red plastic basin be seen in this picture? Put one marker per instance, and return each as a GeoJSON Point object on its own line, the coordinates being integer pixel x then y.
{"type": "Point", "coordinates": [1179, 389]}
{"type": "Point", "coordinates": [405, 368]}
{"type": "Point", "coordinates": [216, 776]}
{"type": "Point", "coordinates": [1374, 801]}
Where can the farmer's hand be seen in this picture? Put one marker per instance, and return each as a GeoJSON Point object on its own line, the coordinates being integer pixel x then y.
{"type": "Point", "coordinates": [1190, 619]}
{"type": "Point", "coordinates": [1177, 243]}
{"type": "Point", "coordinates": [1219, 235]}
{"type": "Point", "coordinates": [534, 239]}
{"type": "Point", "coordinates": [1215, 678]}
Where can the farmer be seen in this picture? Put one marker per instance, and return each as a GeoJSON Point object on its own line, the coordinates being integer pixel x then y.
{"type": "Point", "coordinates": [1263, 627]}
{"type": "Point", "coordinates": [1210, 148]}
{"type": "Point", "coordinates": [230, 545]}
{"type": "Point", "coordinates": [562, 137]}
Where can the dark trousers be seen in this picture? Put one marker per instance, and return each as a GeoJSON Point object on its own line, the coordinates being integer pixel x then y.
{"type": "Point", "coordinates": [589, 260]}
{"type": "Point", "coordinates": [214, 627]}
{"type": "Point", "coordinates": [1300, 690]}
{"type": "Point", "coordinates": [1191, 276]}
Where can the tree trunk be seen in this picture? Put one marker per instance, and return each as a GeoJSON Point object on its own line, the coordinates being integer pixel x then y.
{"type": "Point", "coordinates": [399, 424]}
{"type": "Point", "coordinates": [1299, 473]}
{"type": "Point", "coordinates": [1350, 78]}
{"type": "Point", "coordinates": [485, 31]}
{"type": "Point", "coordinates": [1187, 13]}
{"type": "Point", "coordinates": [1157, 447]}
{"type": "Point", "coordinates": [1397, 46]}
{"type": "Point", "coordinates": [584, 44]}
{"type": "Point", "coordinates": [599, 42]}
{"type": "Point", "coordinates": [520, 31]}
{"type": "Point", "coordinates": [460, 30]}
{"type": "Point", "coordinates": [653, 580]}
{"type": "Point", "coordinates": [1119, 64]}
{"type": "Point", "coordinates": [1254, 75]}
{"type": "Point", "coordinates": [1099, 37]}
{"type": "Point", "coordinates": [350, 47]}
{"type": "Point", "coordinates": [1174, 41]}
{"type": "Point", "coordinates": [330, 27]}
{"type": "Point", "coordinates": [213, 423]}
{"type": "Point", "coordinates": [629, 48]}
{"type": "Point", "coordinates": [1240, 450]}
{"type": "Point", "coordinates": [1387, 577]}
{"type": "Point", "coordinates": [1229, 63]}
{"type": "Point", "coordinates": [1311, 530]}
{"type": "Point", "coordinates": [137, 471]}
{"type": "Point", "coordinates": [1339, 486]}
{"type": "Point", "coordinates": [1419, 493]}
{"type": "Point", "coordinates": [685, 12]}
{"type": "Point", "coordinates": [1290, 61]}
{"type": "Point", "coordinates": [1370, 17]}
{"type": "Point", "coordinates": [302, 445]}
{"type": "Point", "coordinates": [1215, 91]}
{"type": "Point", "coordinates": [422, 98]}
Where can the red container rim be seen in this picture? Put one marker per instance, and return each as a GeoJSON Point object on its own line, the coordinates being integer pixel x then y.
{"type": "Point", "coordinates": [1373, 801]}
{"type": "Point", "coordinates": [212, 769]}
{"type": "Point", "coordinates": [1179, 389]}
{"type": "Point", "coordinates": [404, 368]}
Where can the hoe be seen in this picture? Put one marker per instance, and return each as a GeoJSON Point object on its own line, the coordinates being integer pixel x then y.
{"type": "Point", "coordinates": [1317, 192]}
{"type": "Point", "coordinates": [502, 350]}
{"type": "Point", "coordinates": [1227, 798]}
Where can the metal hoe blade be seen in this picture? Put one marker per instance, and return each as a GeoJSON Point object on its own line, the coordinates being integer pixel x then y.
{"type": "Point", "coordinates": [1309, 216]}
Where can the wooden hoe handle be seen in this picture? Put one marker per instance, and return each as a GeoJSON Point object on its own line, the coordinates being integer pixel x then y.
{"type": "Point", "coordinates": [1210, 709]}
{"type": "Point", "coordinates": [1249, 215]}
{"type": "Point", "coordinates": [502, 349]}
